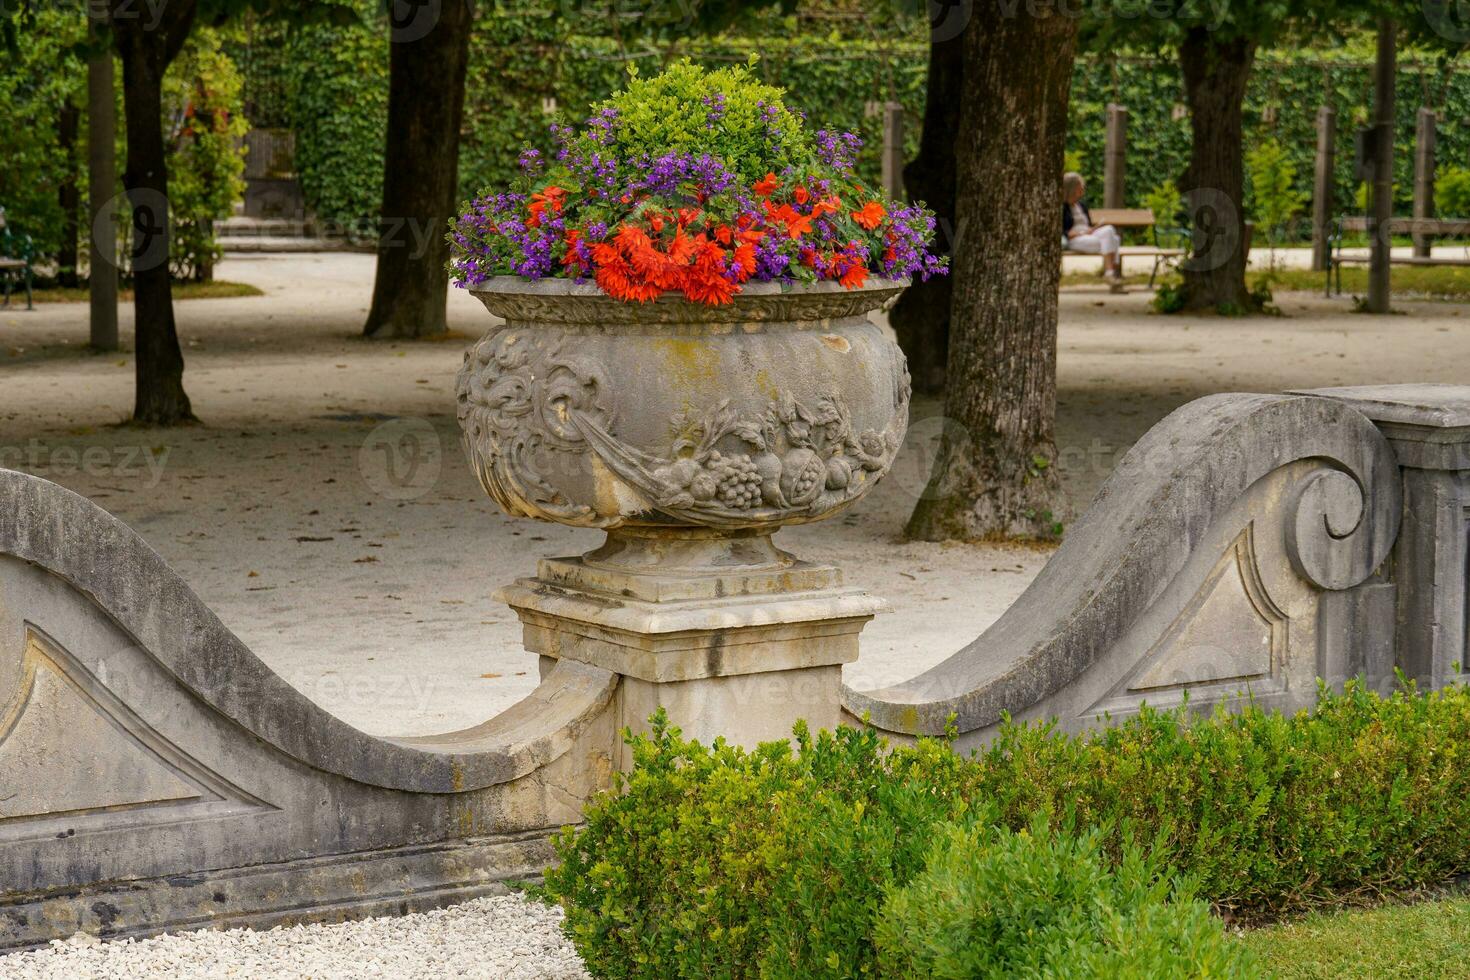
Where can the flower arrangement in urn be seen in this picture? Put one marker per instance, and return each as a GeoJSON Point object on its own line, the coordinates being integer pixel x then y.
{"type": "Point", "coordinates": [685, 290]}
{"type": "Point", "coordinates": [695, 183]}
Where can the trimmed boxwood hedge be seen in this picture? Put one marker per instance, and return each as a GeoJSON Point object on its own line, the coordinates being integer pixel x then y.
{"type": "Point", "coordinates": [713, 861]}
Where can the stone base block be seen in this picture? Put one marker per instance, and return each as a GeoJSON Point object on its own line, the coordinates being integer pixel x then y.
{"type": "Point", "coordinates": [741, 652]}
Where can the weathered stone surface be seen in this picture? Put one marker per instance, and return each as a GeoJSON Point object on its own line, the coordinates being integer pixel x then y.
{"type": "Point", "coordinates": [1429, 429]}
{"type": "Point", "coordinates": [393, 881]}
{"type": "Point", "coordinates": [733, 637]}
{"type": "Point", "coordinates": [782, 407]}
{"type": "Point", "coordinates": [140, 741]}
{"type": "Point", "coordinates": [1200, 568]}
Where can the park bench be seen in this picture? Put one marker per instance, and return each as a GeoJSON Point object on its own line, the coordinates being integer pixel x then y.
{"type": "Point", "coordinates": [1168, 243]}
{"type": "Point", "coordinates": [1428, 228]}
{"type": "Point", "coordinates": [16, 254]}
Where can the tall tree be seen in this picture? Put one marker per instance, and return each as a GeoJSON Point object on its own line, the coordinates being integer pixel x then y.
{"type": "Point", "coordinates": [427, 64]}
{"type": "Point", "coordinates": [994, 475]}
{"type": "Point", "coordinates": [1216, 46]}
{"type": "Point", "coordinates": [921, 316]}
{"type": "Point", "coordinates": [148, 39]}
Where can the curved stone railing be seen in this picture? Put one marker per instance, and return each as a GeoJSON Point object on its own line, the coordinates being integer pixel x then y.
{"type": "Point", "coordinates": [155, 774]}
{"type": "Point", "coordinates": [1222, 529]}
{"type": "Point", "coordinates": [97, 554]}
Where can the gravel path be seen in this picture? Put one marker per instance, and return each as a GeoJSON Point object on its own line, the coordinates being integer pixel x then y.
{"type": "Point", "coordinates": [502, 937]}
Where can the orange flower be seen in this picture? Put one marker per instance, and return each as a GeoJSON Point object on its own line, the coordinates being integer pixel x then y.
{"type": "Point", "coordinates": [801, 195]}
{"type": "Point", "coordinates": [871, 214]}
{"type": "Point", "coordinates": [552, 196]}
{"type": "Point", "coordinates": [744, 260]}
{"type": "Point", "coordinates": [854, 276]}
{"type": "Point", "coordinates": [828, 205]}
{"type": "Point", "coordinates": [724, 235]}
{"type": "Point", "coordinates": [766, 186]}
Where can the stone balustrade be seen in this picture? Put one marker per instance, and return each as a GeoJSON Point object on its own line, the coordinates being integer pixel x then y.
{"type": "Point", "coordinates": [154, 774]}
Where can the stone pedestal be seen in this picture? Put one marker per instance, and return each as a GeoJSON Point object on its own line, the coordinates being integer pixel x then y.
{"type": "Point", "coordinates": [731, 635]}
{"type": "Point", "coordinates": [1428, 426]}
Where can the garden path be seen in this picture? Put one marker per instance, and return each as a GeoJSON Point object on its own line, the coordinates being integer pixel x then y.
{"type": "Point", "coordinates": [374, 596]}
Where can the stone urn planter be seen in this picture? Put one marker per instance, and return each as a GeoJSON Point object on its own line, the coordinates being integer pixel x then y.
{"type": "Point", "coordinates": [690, 433]}
{"type": "Point", "coordinates": [672, 417]}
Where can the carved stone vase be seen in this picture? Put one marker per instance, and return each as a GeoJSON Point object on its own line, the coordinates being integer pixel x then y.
{"type": "Point", "coordinates": [689, 433]}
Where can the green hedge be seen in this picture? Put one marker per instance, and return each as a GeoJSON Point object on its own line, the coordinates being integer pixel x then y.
{"type": "Point", "coordinates": [714, 861]}
{"type": "Point", "coordinates": [996, 903]}
{"type": "Point", "coordinates": [522, 64]}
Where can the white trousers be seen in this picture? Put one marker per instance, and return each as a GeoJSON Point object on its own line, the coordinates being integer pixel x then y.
{"type": "Point", "coordinates": [1098, 241]}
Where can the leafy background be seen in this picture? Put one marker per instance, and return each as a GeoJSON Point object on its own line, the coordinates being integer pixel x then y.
{"type": "Point", "coordinates": [330, 85]}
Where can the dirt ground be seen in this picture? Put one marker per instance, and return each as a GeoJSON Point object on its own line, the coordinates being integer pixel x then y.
{"type": "Point", "coordinates": [364, 573]}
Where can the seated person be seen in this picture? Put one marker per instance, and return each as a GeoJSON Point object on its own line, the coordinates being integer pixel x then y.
{"type": "Point", "coordinates": [1078, 232]}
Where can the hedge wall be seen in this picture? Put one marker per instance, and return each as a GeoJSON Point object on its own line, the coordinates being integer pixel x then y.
{"type": "Point", "coordinates": [1281, 103]}
{"type": "Point", "coordinates": [523, 69]}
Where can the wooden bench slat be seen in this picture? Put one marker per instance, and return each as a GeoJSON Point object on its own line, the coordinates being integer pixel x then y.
{"type": "Point", "coordinates": [1443, 227]}
{"type": "Point", "coordinates": [1123, 217]}
{"type": "Point", "coordinates": [1148, 250]}
{"type": "Point", "coordinates": [1400, 260]}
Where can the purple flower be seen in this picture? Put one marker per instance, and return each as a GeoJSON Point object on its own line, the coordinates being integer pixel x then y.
{"type": "Point", "coordinates": [531, 162]}
{"type": "Point", "coordinates": [838, 150]}
{"type": "Point", "coordinates": [715, 109]}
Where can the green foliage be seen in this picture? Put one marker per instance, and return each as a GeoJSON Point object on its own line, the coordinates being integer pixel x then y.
{"type": "Point", "coordinates": [201, 95]}
{"type": "Point", "coordinates": [38, 79]}
{"type": "Point", "coordinates": [1281, 100]}
{"type": "Point", "coordinates": [712, 861]}
{"type": "Point", "coordinates": [995, 903]}
{"type": "Point", "coordinates": [339, 110]}
{"type": "Point", "coordinates": [1167, 204]}
{"type": "Point", "coordinates": [668, 113]}
{"type": "Point", "coordinates": [1273, 181]}
{"type": "Point", "coordinates": [203, 120]}
{"type": "Point", "coordinates": [718, 862]}
{"type": "Point", "coordinates": [1271, 814]}
{"type": "Point", "coordinates": [1452, 192]}
{"type": "Point", "coordinates": [1169, 297]}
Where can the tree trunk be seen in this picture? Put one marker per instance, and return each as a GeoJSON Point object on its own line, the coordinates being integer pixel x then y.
{"type": "Point", "coordinates": [921, 316]}
{"type": "Point", "coordinates": [1215, 75]}
{"type": "Point", "coordinates": [421, 176]}
{"type": "Point", "coordinates": [995, 475]}
{"type": "Point", "coordinates": [68, 196]}
{"type": "Point", "coordinates": [146, 48]}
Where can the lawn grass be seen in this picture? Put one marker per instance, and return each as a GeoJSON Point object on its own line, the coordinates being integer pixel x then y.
{"type": "Point", "coordinates": [1423, 940]}
{"type": "Point", "coordinates": [218, 289]}
{"type": "Point", "coordinates": [1424, 282]}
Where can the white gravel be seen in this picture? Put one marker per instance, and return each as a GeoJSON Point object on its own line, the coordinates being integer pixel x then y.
{"type": "Point", "coordinates": [502, 937]}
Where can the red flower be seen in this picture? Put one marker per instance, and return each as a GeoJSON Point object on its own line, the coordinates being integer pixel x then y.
{"type": "Point", "coordinates": [828, 205]}
{"type": "Point", "coordinates": [552, 196]}
{"type": "Point", "coordinates": [766, 186]}
{"type": "Point", "coordinates": [854, 276]}
{"type": "Point", "coordinates": [801, 195]}
{"type": "Point", "coordinates": [871, 214]}
{"type": "Point", "coordinates": [724, 235]}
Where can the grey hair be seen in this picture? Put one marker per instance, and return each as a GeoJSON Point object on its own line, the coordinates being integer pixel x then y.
{"type": "Point", "coordinates": [1071, 180]}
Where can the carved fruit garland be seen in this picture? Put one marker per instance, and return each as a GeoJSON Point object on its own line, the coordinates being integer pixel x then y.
{"type": "Point", "coordinates": [519, 405]}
